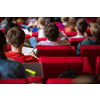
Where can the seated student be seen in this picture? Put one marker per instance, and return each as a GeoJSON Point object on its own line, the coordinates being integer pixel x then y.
{"type": "Point", "coordinates": [81, 26]}
{"type": "Point", "coordinates": [41, 21]}
{"type": "Point", "coordinates": [95, 31]}
{"type": "Point", "coordinates": [16, 37]}
{"type": "Point", "coordinates": [10, 25]}
{"type": "Point", "coordinates": [51, 32]}
{"type": "Point", "coordinates": [48, 20]}
{"type": "Point", "coordinates": [70, 26]}
{"type": "Point", "coordinates": [9, 69]}
{"type": "Point", "coordinates": [64, 21]}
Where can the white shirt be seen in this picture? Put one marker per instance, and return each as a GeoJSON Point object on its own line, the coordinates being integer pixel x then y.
{"type": "Point", "coordinates": [58, 42]}
{"type": "Point", "coordinates": [41, 34]}
{"type": "Point", "coordinates": [78, 36]}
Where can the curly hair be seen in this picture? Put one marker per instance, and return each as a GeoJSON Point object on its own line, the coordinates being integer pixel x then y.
{"type": "Point", "coordinates": [16, 36]}
{"type": "Point", "coordinates": [51, 31]}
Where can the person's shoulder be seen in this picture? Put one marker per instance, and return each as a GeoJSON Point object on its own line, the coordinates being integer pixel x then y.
{"type": "Point", "coordinates": [41, 43]}
{"type": "Point", "coordinates": [9, 63]}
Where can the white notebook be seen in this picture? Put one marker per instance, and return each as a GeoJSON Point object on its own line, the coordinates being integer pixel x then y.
{"type": "Point", "coordinates": [27, 50]}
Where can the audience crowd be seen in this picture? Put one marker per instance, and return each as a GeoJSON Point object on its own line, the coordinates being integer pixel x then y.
{"type": "Point", "coordinates": [14, 32]}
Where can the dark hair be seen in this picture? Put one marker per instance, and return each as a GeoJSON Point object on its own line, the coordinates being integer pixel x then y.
{"type": "Point", "coordinates": [16, 36]}
{"type": "Point", "coordinates": [51, 31]}
{"type": "Point", "coordinates": [49, 20]}
{"type": "Point", "coordinates": [70, 73]}
{"type": "Point", "coordinates": [2, 43]}
{"type": "Point", "coordinates": [95, 31]}
{"type": "Point", "coordinates": [8, 26]}
{"type": "Point", "coordinates": [9, 19]}
{"type": "Point", "coordinates": [81, 25]}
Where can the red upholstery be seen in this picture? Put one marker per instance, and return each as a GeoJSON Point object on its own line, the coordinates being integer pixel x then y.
{"type": "Point", "coordinates": [73, 52]}
{"type": "Point", "coordinates": [54, 66]}
{"type": "Point", "coordinates": [88, 32]}
{"type": "Point", "coordinates": [35, 80]}
{"type": "Point", "coordinates": [54, 50]}
{"type": "Point", "coordinates": [75, 41]}
{"type": "Point", "coordinates": [59, 81]}
{"type": "Point", "coordinates": [61, 29]}
{"type": "Point", "coordinates": [90, 19]}
{"type": "Point", "coordinates": [27, 36]}
{"type": "Point", "coordinates": [69, 34]}
{"type": "Point", "coordinates": [97, 69]}
{"type": "Point", "coordinates": [8, 48]}
{"type": "Point", "coordinates": [57, 23]}
{"type": "Point", "coordinates": [13, 81]}
{"type": "Point", "coordinates": [41, 39]}
{"type": "Point", "coordinates": [87, 67]}
{"type": "Point", "coordinates": [90, 51]}
{"type": "Point", "coordinates": [35, 34]}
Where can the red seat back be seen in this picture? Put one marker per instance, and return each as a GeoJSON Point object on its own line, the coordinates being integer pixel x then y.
{"type": "Point", "coordinates": [69, 34]}
{"type": "Point", "coordinates": [54, 66]}
{"type": "Point", "coordinates": [13, 81]}
{"type": "Point", "coordinates": [8, 48]}
{"type": "Point", "coordinates": [34, 34]}
{"type": "Point", "coordinates": [90, 51]}
{"type": "Point", "coordinates": [59, 81]}
{"type": "Point", "coordinates": [27, 36]}
{"type": "Point", "coordinates": [53, 50]}
{"type": "Point", "coordinates": [35, 80]}
{"type": "Point", "coordinates": [76, 41]}
{"type": "Point", "coordinates": [88, 32]}
{"type": "Point", "coordinates": [97, 69]}
{"type": "Point", "coordinates": [41, 39]}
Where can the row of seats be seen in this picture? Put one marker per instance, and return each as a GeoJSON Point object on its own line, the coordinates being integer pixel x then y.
{"type": "Point", "coordinates": [90, 51]}
{"type": "Point", "coordinates": [28, 80]}
{"type": "Point", "coordinates": [69, 34]}
{"type": "Point", "coordinates": [54, 66]}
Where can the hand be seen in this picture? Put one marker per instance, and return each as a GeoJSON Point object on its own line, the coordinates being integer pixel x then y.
{"type": "Point", "coordinates": [32, 53]}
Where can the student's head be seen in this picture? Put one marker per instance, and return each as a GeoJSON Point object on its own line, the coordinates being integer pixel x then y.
{"type": "Point", "coordinates": [49, 20]}
{"type": "Point", "coordinates": [81, 25]}
{"type": "Point", "coordinates": [9, 19]}
{"type": "Point", "coordinates": [64, 19]}
{"type": "Point", "coordinates": [95, 31]}
{"type": "Point", "coordinates": [86, 79]}
{"type": "Point", "coordinates": [16, 37]}
{"type": "Point", "coordinates": [98, 21]}
{"type": "Point", "coordinates": [51, 32]}
{"type": "Point", "coordinates": [72, 23]}
{"type": "Point", "coordinates": [3, 45]}
{"type": "Point", "coordinates": [8, 26]}
{"type": "Point", "coordinates": [41, 21]}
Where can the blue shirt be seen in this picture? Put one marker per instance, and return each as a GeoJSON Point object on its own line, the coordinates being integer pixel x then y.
{"type": "Point", "coordinates": [11, 69]}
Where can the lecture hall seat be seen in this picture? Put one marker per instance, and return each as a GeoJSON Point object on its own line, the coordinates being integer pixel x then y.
{"type": "Point", "coordinates": [90, 51]}
{"type": "Point", "coordinates": [54, 66]}
{"type": "Point", "coordinates": [59, 81]}
{"type": "Point", "coordinates": [47, 50]}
